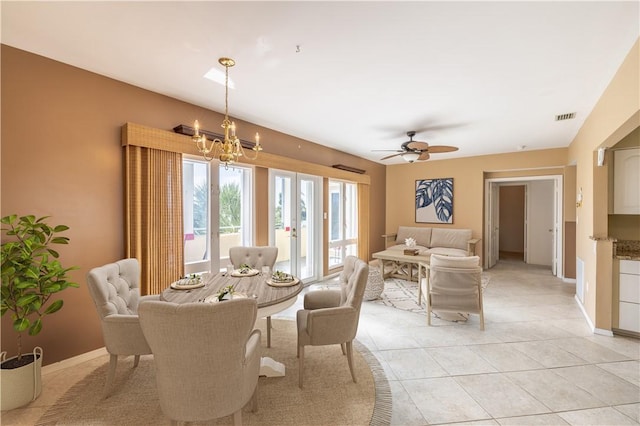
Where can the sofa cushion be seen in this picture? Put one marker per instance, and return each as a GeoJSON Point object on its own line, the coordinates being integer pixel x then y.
{"type": "Point", "coordinates": [454, 262]}
{"type": "Point", "coordinates": [452, 238]}
{"type": "Point", "coordinates": [444, 251]}
{"type": "Point", "coordinates": [421, 235]}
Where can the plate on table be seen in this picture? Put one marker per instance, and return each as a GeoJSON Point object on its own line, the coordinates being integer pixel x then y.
{"type": "Point", "coordinates": [186, 284]}
{"type": "Point", "coordinates": [214, 298]}
{"type": "Point", "coordinates": [281, 279]}
{"type": "Point", "coordinates": [244, 273]}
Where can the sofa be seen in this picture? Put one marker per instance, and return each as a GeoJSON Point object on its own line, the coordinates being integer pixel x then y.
{"type": "Point", "coordinates": [443, 241]}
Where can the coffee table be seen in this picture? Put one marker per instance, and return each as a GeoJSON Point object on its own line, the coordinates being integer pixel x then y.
{"type": "Point", "coordinates": [400, 265]}
{"type": "Point", "coordinates": [271, 300]}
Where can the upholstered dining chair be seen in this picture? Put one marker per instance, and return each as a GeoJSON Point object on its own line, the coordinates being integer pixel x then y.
{"type": "Point", "coordinates": [256, 257]}
{"type": "Point", "coordinates": [115, 289]}
{"type": "Point", "coordinates": [454, 284]}
{"type": "Point", "coordinates": [206, 357]}
{"type": "Point", "coordinates": [331, 316]}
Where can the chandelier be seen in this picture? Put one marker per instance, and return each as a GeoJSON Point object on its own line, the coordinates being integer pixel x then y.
{"type": "Point", "coordinates": [230, 149]}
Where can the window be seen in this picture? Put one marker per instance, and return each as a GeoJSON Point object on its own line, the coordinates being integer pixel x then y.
{"type": "Point", "coordinates": [204, 250]}
{"type": "Point", "coordinates": [343, 221]}
{"type": "Point", "coordinates": [196, 208]}
{"type": "Point", "coordinates": [235, 207]}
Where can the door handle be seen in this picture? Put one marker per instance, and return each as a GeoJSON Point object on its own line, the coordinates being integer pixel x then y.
{"type": "Point", "coordinates": [293, 233]}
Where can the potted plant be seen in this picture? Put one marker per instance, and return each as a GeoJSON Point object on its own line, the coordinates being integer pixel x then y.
{"type": "Point", "coordinates": [31, 278]}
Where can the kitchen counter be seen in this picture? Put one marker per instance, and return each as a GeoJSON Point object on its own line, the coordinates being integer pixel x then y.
{"type": "Point", "coordinates": [626, 250]}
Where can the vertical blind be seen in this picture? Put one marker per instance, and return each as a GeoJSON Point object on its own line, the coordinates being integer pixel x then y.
{"type": "Point", "coordinates": [154, 221]}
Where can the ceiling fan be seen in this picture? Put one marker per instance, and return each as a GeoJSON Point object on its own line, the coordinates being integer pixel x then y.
{"type": "Point", "coordinates": [416, 150]}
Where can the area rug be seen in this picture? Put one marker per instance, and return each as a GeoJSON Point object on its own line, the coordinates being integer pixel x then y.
{"type": "Point", "coordinates": [329, 396]}
{"type": "Point", "coordinates": [402, 294]}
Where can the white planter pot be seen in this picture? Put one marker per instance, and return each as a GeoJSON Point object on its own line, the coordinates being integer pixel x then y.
{"type": "Point", "coordinates": [19, 386]}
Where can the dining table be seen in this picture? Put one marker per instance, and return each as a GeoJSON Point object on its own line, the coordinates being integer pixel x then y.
{"type": "Point", "coordinates": [271, 295]}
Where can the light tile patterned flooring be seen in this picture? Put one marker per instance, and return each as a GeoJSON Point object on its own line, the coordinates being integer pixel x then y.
{"type": "Point", "coordinates": [536, 363]}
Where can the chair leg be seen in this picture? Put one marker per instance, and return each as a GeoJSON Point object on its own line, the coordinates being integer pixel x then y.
{"type": "Point", "coordinates": [111, 374]}
{"type": "Point", "coordinates": [300, 365]}
{"type": "Point", "coordinates": [136, 360]}
{"type": "Point", "coordinates": [237, 418]}
{"type": "Point", "coordinates": [428, 309]}
{"type": "Point", "coordinates": [254, 400]}
{"type": "Point", "coordinates": [342, 346]}
{"type": "Point", "coordinates": [481, 320]}
{"type": "Point", "coordinates": [349, 345]}
{"type": "Point", "coordinates": [268, 332]}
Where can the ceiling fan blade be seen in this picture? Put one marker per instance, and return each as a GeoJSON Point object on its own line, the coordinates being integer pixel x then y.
{"type": "Point", "coordinates": [387, 150]}
{"type": "Point", "coordinates": [441, 148]}
{"type": "Point", "coordinates": [424, 156]}
{"type": "Point", "coordinates": [390, 156]}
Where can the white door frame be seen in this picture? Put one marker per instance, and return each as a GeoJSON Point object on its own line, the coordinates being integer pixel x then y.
{"type": "Point", "coordinates": [557, 266]}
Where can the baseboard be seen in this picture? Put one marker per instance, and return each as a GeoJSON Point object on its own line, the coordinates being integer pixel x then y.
{"type": "Point", "coordinates": [592, 327]}
{"type": "Point", "coordinates": [570, 280]}
{"type": "Point", "coordinates": [72, 362]}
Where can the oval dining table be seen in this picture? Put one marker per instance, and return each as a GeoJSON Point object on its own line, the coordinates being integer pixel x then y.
{"type": "Point", "coordinates": [271, 300]}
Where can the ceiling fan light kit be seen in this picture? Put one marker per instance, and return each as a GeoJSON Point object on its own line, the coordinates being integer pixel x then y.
{"type": "Point", "coordinates": [410, 157]}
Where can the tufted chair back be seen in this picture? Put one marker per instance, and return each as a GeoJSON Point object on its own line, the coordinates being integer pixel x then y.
{"type": "Point", "coordinates": [256, 257]}
{"type": "Point", "coordinates": [115, 289]}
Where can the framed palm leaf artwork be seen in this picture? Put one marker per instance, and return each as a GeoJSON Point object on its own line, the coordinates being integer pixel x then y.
{"type": "Point", "coordinates": [434, 200]}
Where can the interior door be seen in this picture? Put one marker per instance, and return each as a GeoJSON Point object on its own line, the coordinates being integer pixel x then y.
{"type": "Point", "coordinates": [493, 221]}
{"type": "Point", "coordinates": [295, 208]}
{"type": "Point", "coordinates": [540, 222]}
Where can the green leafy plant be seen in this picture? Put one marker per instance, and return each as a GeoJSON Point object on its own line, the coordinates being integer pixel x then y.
{"type": "Point", "coordinates": [31, 273]}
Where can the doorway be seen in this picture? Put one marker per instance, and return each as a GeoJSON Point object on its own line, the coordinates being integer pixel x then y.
{"type": "Point", "coordinates": [538, 235]}
{"type": "Point", "coordinates": [295, 206]}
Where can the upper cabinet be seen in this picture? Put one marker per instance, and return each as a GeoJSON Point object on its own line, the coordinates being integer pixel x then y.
{"type": "Point", "coordinates": [626, 181]}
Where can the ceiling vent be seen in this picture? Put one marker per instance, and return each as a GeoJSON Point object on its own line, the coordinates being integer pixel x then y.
{"type": "Point", "coordinates": [567, 116]}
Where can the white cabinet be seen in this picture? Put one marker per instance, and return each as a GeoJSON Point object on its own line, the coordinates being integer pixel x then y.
{"type": "Point", "coordinates": [629, 306]}
{"type": "Point", "coordinates": [626, 181]}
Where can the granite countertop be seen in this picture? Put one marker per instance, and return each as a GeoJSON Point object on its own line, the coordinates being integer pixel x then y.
{"type": "Point", "coordinates": [627, 250]}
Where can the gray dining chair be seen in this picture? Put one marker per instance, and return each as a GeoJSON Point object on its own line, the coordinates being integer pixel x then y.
{"type": "Point", "coordinates": [331, 316]}
{"type": "Point", "coordinates": [206, 357]}
{"type": "Point", "coordinates": [115, 289]}
{"type": "Point", "coordinates": [256, 257]}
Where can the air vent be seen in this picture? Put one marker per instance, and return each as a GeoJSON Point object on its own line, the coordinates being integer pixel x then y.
{"type": "Point", "coordinates": [567, 116]}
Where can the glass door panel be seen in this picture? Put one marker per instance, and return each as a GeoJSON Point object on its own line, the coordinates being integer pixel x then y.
{"type": "Point", "coordinates": [196, 208]}
{"type": "Point", "coordinates": [343, 222]}
{"type": "Point", "coordinates": [296, 213]}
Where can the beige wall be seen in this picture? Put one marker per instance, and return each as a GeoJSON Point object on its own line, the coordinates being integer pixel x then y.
{"type": "Point", "coordinates": [62, 156]}
{"type": "Point", "coordinates": [616, 114]}
{"type": "Point", "coordinates": [468, 186]}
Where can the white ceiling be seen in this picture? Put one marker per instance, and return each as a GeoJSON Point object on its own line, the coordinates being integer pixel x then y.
{"type": "Point", "coordinates": [487, 77]}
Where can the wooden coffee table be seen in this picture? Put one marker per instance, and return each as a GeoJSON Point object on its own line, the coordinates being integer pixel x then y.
{"type": "Point", "coordinates": [400, 265]}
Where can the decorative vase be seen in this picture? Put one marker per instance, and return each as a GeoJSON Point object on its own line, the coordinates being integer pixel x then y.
{"type": "Point", "coordinates": [21, 385]}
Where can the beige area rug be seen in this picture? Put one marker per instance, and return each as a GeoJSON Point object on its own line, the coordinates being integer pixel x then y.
{"type": "Point", "coordinates": [329, 397]}
{"type": "Point", "coordinates": [402, 294]}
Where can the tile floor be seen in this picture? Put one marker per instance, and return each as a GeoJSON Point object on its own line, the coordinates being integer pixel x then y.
{"type": "Point", "coordinates": [536, 363]}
